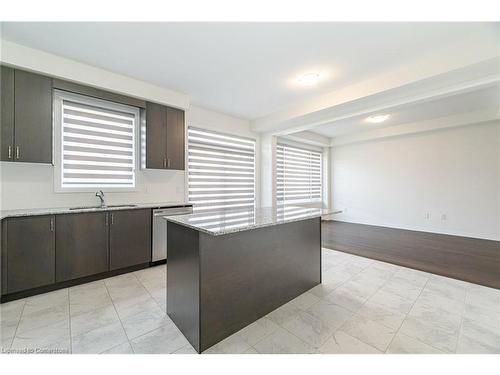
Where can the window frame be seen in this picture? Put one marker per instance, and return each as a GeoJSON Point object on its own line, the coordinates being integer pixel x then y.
{"type": "Point", "coordinates": [58, 97]}
{"type": "Point", "coordinates": [224, 134]}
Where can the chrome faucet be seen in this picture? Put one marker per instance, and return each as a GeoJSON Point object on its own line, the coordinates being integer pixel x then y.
{"type": "Point", "coordinates": [100, 194]}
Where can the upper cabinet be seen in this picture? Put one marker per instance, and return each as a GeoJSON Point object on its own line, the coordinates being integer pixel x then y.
{"type": "Point", "coordinates": [26, 117]}
{"type": "Point", "coordinates": [164, 137]}
{"type": "Point", "coordinates": [26, 121]}
{"type": "Point", "coordinates": [7, 118]}
{"type": "Point", "coordinates": [175, 138]}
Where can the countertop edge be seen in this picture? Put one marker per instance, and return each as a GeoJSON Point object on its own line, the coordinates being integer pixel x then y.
{"type": "Point", "coordinates": [172, 219]}
{"type": "Point", "coordinates": [67, 210]}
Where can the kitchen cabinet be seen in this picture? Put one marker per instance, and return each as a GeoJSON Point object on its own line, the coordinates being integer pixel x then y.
{"type": "Point", "coordinates": [7, 124]}
{"type": "Point", "coordinates": [28, 253]}
{"type": "Point", "coordinates": [175, 139]}
{"type": "Point", "coordinates": [54, 250]}
{"type": "Point", "coordinates": [156, 135]}
{"type": "Point", "coordinates": [81, 245]}
{"type": "Point", "coordinates": [129, 238]}
{"type": "Point", "coordinates": [26, 126]}
{"type": "Point", "coordinates": [164, 137]}
{"type": "Point", "coordinates": [32, 117]}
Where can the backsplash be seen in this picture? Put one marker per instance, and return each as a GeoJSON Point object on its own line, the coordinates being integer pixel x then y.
{"type": "Point", "coordinates": [32, 186]}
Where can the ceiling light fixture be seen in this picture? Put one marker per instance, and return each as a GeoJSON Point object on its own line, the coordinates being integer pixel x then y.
{"type": "Point", "coordinates": [377, 119]}
{"type": "Point", "coordinates": [309, 79]}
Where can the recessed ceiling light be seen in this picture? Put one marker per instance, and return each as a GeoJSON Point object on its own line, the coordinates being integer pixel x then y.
{"type": "Point", "coordinates": [309, 79]}
{"type": "Point", "coordinates": [377, 119]}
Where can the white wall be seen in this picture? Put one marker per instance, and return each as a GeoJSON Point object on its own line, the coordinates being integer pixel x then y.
{"type": "Point", "coordinates": [396, 181]}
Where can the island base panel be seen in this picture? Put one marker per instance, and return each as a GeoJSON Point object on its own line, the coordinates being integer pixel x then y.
{"type": "Point", "coordinates": [240, 276]}
{"type": "Point", "coordinates": [183, 281]}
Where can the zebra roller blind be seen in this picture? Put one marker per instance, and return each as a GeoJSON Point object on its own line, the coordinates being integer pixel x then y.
{"type": "Point", "coordinates": [97, 144]}
{"type": "Point", "coordinates": [221, 170]}
{"type": "Point", "coordinates": [298, 175]}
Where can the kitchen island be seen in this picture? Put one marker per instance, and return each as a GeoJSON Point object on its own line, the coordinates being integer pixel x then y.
{"type": "Point", "coordinates": [227, 269]}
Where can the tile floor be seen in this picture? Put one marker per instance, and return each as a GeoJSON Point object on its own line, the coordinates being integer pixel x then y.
{"type": "Point", "coordinates": [363, 306]}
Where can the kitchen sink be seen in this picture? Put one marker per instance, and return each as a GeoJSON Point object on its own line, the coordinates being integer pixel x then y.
{"type": "Point", "coordinates": [103, 207]}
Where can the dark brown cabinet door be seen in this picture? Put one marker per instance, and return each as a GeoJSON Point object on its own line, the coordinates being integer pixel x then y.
{"type": "Point", "coordinates": [156, 135]}
{"type": "Point", "coordinates": [129, 238]}
{"type": "Point", "coordinates": [7, 124]}
{"type": "Point", "coordinates": [175, 139]}
{"type": "Point", "coordinates": [81, 245]}
{"type": "Point", "coordinates": [32, 117]}
{"type": "Point", "coordinates": [30, 248]}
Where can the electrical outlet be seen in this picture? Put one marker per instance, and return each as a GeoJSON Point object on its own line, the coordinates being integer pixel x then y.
{"type": "Point", "coordinates": [427, 215]}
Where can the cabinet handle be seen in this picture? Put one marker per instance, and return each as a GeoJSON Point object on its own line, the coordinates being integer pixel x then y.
{"type": "Point", "coordinates": [18, 153]}
{"type": "Point", "coordinates": [10, 152]}
{"type": "Point", "coordinates": [106, 219]}
{"type": "Point", "coordinates": [112, 219]}
{"type": "Point", "coordinates": [164, 162]}
{"type": "Point", "coordinates": [168, 162]}
{"type": "Point", "coordinates": [52, 224]}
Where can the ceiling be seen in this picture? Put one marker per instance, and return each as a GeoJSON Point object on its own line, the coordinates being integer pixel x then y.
{"type": "Point", "coordinates": [477, 100]}
{"type": "Point", "coordinates": [245, 69]}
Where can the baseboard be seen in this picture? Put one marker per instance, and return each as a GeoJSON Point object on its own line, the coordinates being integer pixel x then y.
{"type": "Point", "coordinates": [70, 283]}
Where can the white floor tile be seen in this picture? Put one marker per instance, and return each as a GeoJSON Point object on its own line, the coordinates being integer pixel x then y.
{"type": "Point", "coordinates": [188, 349]}
{"type": "Point", "coordinates": [434, 316]}
{"type": "Point", "coordinates": [304, 301]}
{"type": "Point", "coordinates": [332, 315]}
{"type": "Point", "coordinates": [146, 321]}
{"type": "Point", "coordinates": [283, 342]}
{"type": "Point", "coordinates": [164, 340]}
{"type": "Point", "coordinates": [429, 334]}
{"type": "Point", "coordinates": [283, 313]}
{"type": "Point", "coordinates": [382, 314]}
{"type": "Point", "coordinates": [100, 339]}
{"type": "Point", "coordinates": [49, 336]}
{"type": "Point", "coordinates": [43, 317]}
{"type": "Point", "coordinates": [308, 328]}
{"type": "Point", "coordinates": [402, 344]}
{"type": "Point", "coordinates": [392, 301]}
{"type": "Point", "coordinates": [88, 321]}
{"type": "Point", "coordinates": [369, 332]}
{"type": "Point", "coordinates": [482, 316]}
{"type": "Point", "coordinates": [481, 333]}
{"type": "Point", "coordinates": [342, 343]}
{"type": "Point", "coordinates": [258, 330]}
{"type": "Point", "coordinates": [233, 344]}
{"type": "Point", "coordinates": [124, 348]}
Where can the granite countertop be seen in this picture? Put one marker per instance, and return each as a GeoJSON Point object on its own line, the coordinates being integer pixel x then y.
{"type": "Point", "coordinates": [230, 221]}
{"type": "Point", "coordinates": [66, 210]}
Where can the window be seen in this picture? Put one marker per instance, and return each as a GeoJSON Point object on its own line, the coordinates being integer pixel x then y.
{"type": "Point", "coordinates": [221, 170]}
{"type": "Point", "coordinates": [298, 175]}
{"type": "Point", "coordinates": [95, 143]}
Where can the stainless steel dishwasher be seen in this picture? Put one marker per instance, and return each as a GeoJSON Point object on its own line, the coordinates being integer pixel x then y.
{"type": "Point", "coordinates": [160, 229]}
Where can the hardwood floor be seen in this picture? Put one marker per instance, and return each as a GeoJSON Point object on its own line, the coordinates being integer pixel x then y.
{"type": "Point", "coordinates": [469, 259]}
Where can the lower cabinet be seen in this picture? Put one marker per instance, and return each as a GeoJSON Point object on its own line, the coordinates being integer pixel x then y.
{"type": "Point", "coordinates": [39, 251]}
{"type": "Point", "coordinates": [81, 245]}
{"type": "Point", "coordinates": [28, 253]}
{"type": "Point", "coordinates": [129, 238]}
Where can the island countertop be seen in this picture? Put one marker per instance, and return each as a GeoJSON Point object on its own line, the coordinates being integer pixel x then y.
{"type": "Point", "coordinates": [231, 221]}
